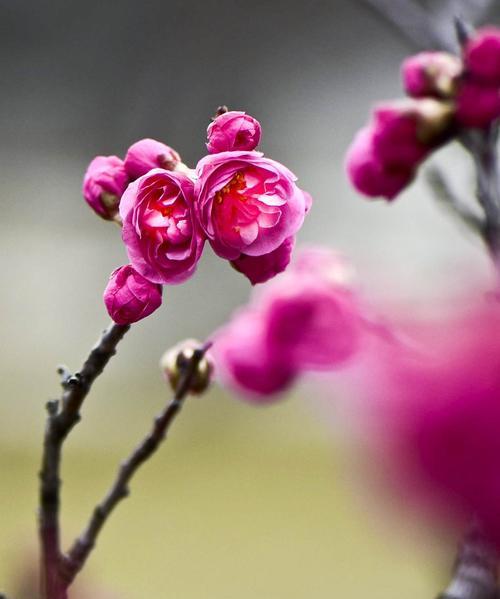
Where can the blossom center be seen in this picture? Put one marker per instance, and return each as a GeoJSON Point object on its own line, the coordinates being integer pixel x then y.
{"type": "Point", "coordinates": [242, 207]}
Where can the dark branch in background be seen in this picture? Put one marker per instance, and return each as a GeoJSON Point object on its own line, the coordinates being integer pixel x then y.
{"type": "Point", "coordinates": [475, 571]}
{"type": "Point", "coordinates": [63, 415]}
{"type": "Point", "coordinates": [412, 21]}
{"type": "Point", "coordinates": [451, 202]}
{"type": "Point", "coordinates": [428, 29]}
{"type": "Point", "coordinates": [79, 552]}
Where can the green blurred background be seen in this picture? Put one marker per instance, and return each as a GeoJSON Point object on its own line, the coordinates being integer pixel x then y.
{"type": "Point", "coordinates": [241, 501]}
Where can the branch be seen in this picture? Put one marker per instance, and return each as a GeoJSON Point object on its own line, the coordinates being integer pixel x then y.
{"type": "Point", "coordinates": [413, 21]}
{"type": "Point", "coordinates": [475, 572]}
{"type": "Point", "coordinates": [482, 146]}
{"type": "Point", "coordinates": [63, 415]}
{"type": "Point", "coordinates": [447, 198]}
{"type": "Point", "coordinates": [82, 547]}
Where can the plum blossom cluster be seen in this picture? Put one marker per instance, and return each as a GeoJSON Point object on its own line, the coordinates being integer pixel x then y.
{"type": "Point", "coordinates": [436, 417]}
{"type": "Point", "coordinates": [307, 319]}
{"type": "Point", "coordinates": [446, 93]}
{"type": "Point", "coordinates": [247, 206]}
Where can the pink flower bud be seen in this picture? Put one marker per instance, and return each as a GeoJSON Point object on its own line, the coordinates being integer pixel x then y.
{"type": "Point", "coordinates": [147, 154]}
{"type": "Point", "coordinates": [129, 297]}
{"type": "Point", "coordinates": [367, 173]}
{"type": "Point", "coordinates": [384, 156]}
{"type": "Point", "coordinates": [233, 130]}
{"type": "Point", "coordinates": [477, 105]}
{"type": "Point", "coordinates": [103, 185]}
{"type": "Point", "coordinates": [432, 74]}
{"type": "Point", "coordinates": [396, 133]}
{"type": "Point", "coordinates": [482, 56]}
{"type": "Point", "coordinates": [259, 269]}
{"type": "Point", "coordinates": [246, 363]}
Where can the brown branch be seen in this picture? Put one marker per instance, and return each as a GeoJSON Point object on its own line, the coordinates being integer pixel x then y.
{"type": "Point", "coordinates": [475, 572]}
{"type": "Point", "coordinates": [63, 415]}
{"type": "Point", "coordinates": [82, 547]}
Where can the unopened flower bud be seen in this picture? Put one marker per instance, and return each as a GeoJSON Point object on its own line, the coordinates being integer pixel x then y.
{"type": "Point", "coordinates": [432, 74]}
{"type": "Point", "coordinates": [103, 185]}
{"type": "Point", "coordinates": [477, 104]}
{"type": "Point", "coordinates": [130, 297]}
{"type": "Point", "coordinates": [482, 56]}
{"type": "Point", "coordinates": [259, 269]}
{"type": "Point", "coordinates": [233, 130]}
{"type": "Point", "coordinates": [148, 154]}
{"type": "Point", "coordinates": [175, 361]}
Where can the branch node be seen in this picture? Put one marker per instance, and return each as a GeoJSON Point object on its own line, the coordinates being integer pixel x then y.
{"type": "Point", "coordinates": [52, 407]}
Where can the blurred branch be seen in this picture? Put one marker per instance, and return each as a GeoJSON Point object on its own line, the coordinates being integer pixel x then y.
{"type": "Point", "coordinates": [413, 21]}
{"type": "Point", "coordinates": [63, 415]}
{"type": "Point", "coordinates": [482, 146]}
{"type": "Point", "coordinates": [80, 551]}
{"type": "Point", "coordinates": [475, 572]}
{"type": "Point", "coordinates": [451, 202]}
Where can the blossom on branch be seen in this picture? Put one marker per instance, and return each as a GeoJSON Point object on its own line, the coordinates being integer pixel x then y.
{"type": "Point", "coordinates": [247, 203]}
{"type": "Point", "coordinates": [160, 230]}
{"type": "Point", "coordinates": [130, 297]}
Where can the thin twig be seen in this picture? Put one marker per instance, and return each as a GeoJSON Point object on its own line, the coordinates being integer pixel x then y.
{"type": "Point", "coordinates": [63, 415]}
{"type": "Point", "coordinates": [449, 200]}
{"type": "Point", "coordinates": [412, 20]}
{"type": "Point", "coordinates": [80, 551]}
{"type": "Point", "coordinates": [475, 571]}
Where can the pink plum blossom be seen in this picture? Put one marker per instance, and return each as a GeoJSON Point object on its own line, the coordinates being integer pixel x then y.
{"type": "Point", "coordinates": [431, 74]}
{"type": "Point", "coordinates": [247, 204]}
{"type": "Point", "coordinates": [259, 269]}
{"type": "Point", "coordinates": [160, 229]}
{"type": "Point", "coordinates": [147, 154]}
{"type": "Point", "coordinates": [436, 418]}
{"type": "Point", "coordinates": [369, 174]}
{"type": "Point", "coordinates": [103, 185]}
{"type": "Point", "coordinates": [307, 319]}
{"type": "Point", "coordinates": [129, 297]}
{"type": "Point", "coordinates": [233, 130]}
{"type": "Point", "coordinates": [482, 56]}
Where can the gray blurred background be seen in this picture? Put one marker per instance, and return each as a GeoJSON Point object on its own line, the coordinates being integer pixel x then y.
{"type": "Point", "coordinates": [87, 78]}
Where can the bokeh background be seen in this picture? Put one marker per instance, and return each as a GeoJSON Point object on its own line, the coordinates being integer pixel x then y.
{"type": "Point", "coordinates": [241, 502]}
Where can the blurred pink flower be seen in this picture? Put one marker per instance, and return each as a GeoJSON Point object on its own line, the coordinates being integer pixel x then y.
{"type": "Point", "coordinates": [368, 174]}
{"type": "Point", "coordinates": [129, 297]}
{"type": "Point", "coordinates": [307, 319]}
{"type": "Point", "coordinates": [147, 154]}
{"type": "Point", "coordinates": [437, 414]}
{"type": "Point", "coordinates": [160, 230]}
{"type": "Point", "coordinates": [431, 74]}
{"type": "Point", "coordinates": [259, 269]}
{"type": "Point", "coordinates": [482, 56]}
{"type": "Point", "coordinates": [477, 104]}
{"type": "Point", "coordinates": [103, 185]}
{"type": "Point", "coordinates": [233, 130]}
{"type": "Point", "coordinates": [384, 156]}
{"type": "Point", "coordinates": [247, 204]}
